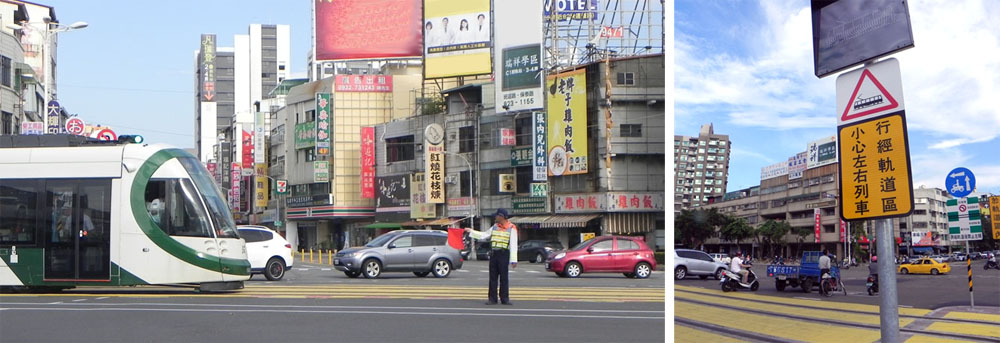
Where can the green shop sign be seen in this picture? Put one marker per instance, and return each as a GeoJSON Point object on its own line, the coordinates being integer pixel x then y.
{"type": "Point", "coordinates": [305, 135]}
{"type": "Point", "coordinates": [520, 157]}
{"type": "Point", "coordinates": [528, 205]}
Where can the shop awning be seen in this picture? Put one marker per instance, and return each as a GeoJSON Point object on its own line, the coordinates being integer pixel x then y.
{"type": "Point", "coordinates": [561, 221]}
{"type": "Point", "coordinates": [431, 222]}
{"type": "Point", "coordinates": [529, 219]}
{"type": "Point", "coordinates": [382, 226]}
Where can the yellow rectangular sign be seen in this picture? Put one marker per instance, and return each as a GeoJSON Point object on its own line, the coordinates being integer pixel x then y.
{"type": "Point", "coordinates": [567, 127]}
{"type": "Point", "coordinates": [875, 177]}
{"type": "Point", "coordinates": [260, 187]}
{"type": "Point", "coordinates": [995, 216]}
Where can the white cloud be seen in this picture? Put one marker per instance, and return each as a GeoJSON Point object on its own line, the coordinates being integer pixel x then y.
{"type": "Point", "coordinates": [950, 79]}
{"type": "Point", "coordinates": [742, 153]}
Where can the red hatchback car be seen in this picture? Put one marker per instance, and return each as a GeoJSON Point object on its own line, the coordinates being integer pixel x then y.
{"type": "Point", "coordinates": [605, 254]}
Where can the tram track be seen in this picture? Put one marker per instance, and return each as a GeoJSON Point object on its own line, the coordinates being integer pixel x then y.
{"type": "Point", "coordinates": [841, 323]}
{"type": "Point", "coordinates": [943, 319]}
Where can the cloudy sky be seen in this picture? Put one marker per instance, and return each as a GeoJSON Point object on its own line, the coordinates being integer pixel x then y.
{"type": "Point", "coordinates": [747, 67]}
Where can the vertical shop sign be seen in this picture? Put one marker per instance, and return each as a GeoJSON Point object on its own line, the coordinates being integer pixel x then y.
{"type": "Point", "coordinates": [368, 162]}
{"type": "Point", "coordinates": [323, 120]}
{"type": "Point", "coordinates": [538, 143]}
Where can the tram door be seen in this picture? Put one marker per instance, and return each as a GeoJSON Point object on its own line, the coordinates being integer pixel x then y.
{"type": "Point", "coordinates": [77, 230]}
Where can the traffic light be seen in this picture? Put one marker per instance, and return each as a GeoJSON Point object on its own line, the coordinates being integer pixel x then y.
{"type": "Point", "coordinates": [129, 139]}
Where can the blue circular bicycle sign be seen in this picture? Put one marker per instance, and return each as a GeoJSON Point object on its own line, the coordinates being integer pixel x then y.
{"type": "Point", "coordinates": [960, 182]}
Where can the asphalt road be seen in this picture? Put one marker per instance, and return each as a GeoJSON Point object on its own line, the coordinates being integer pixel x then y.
{"type": "Point", "coordinates": [472, 273]}
{"type": "Point", "coordinates": [918, 291]}
{"type": "Point", "coordinates": [316, 305]}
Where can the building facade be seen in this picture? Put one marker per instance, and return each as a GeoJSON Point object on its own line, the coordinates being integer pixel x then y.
{"type": "Point", "coordinates": [701, 168]}
{"type": "Point", "coordinates": [325, 207]}
{"type": "Point", "coordinates": [619, 192]}
{"type": "Point", "coordinates": [927, 228]}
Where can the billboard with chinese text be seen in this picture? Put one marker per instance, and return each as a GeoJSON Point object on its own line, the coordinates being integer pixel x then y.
{"type": "Point", "coordinates": [367, 29]}
{"type": "Point", "coordinates": [457, 38]}
{"type": "Point", "coordinates": [567, 123]}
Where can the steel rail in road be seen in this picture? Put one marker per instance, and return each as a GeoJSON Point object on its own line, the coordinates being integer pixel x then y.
{"type": "Point", "coordinates": [910, 316]}
{"type": "Point", "coordinates": [832, 321]}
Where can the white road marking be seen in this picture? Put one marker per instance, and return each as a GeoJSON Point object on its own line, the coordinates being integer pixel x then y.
{"type": "Point", "coordinates": [534, 271]}
{"type": "Point", "coordinates": [326, 269]}
{"type": "Point", "coordinates": [101, 298]}
{"type": "Point", "coordinates": [78, 300]}
{"type": "Point", "coordinates": [599, 316]}
{"type": "Point", "coordinates": [366, 307]}
{"type": "Point", "coordinates": [463, 271]}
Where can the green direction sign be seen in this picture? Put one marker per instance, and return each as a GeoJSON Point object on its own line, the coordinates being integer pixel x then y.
{"type": "Point", "coordinates": [964, 219]}
{"type": "Point", "coordinates": [277, 223]}
{"type": "Point", "coordinates": [521, 157]}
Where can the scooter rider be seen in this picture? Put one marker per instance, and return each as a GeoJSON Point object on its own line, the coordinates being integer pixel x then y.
{"type": "Point", "coordinates": [736, 266]}
{"type": "Point", "coordinates": [992, 261]}
{"type": "Point", "coordinates": [873, 268]}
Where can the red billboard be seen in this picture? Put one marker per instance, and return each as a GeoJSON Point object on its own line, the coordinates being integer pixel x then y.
{"type": "Point", "coordinates": [356, 29]}
{"type": "Point", "coordinates": [818, 225]}
{"type": "Point", "coordinates": [247, 150]}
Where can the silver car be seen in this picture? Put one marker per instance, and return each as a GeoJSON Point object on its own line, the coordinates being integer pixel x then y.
{"type": "Point", "coordinates": [419, 251]}
{"type": "Point", "coordinates": [696, 262]}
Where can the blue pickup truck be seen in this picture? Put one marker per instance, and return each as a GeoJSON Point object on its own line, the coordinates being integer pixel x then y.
{"type": "Point", "coordinates": [805, 275]}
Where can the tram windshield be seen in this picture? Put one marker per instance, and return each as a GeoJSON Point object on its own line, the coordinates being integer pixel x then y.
{"type": "Point", "coordinates": [224, 224]}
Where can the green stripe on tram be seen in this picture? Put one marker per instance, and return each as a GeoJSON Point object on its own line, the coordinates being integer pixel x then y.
{"type": "Point", "coordinates": [159, 237]}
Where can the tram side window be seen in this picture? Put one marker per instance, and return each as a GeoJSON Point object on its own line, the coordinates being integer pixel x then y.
{"type": "Point", "coordinates": [176, 209]}
{"type": "Point", "coordinates": [18, 207]}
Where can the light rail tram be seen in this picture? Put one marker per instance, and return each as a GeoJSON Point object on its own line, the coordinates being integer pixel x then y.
{"type": "Point", "coordinates": [78, 212]}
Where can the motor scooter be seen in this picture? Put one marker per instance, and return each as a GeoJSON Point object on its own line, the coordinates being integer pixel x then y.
{"type": "Point", "coordinates": [731, 281]}
{"type": "Point", "coordinates": [991, 265]}
{"type": "Point", "coordinates": [872, 284]}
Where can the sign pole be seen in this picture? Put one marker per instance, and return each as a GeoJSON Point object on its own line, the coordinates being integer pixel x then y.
{"type": "Point", "coordinates": [968, 266]}
{"type": "Point", "coordinates": [889, 302]}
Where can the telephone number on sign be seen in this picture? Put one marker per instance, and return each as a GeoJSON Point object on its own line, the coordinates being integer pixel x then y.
{"type": "Point", "coordinates": [522, 101]}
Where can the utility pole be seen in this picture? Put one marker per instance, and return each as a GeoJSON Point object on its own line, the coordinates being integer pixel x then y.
{"type": "Point", "coordinates": [889, 301]}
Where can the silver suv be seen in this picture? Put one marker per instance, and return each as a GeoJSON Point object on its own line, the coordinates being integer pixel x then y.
{"type": "Point", "coordinates": [419, 251]}
{"type": "Point", "coordinates": [696, 262]}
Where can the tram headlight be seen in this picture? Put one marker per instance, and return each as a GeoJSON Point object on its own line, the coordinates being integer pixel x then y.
{"type": "Point", "coordinates": [137, 139]}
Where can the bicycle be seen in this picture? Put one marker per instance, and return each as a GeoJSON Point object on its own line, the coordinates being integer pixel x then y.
{"type": "Point", "coordinates": [829, 284]}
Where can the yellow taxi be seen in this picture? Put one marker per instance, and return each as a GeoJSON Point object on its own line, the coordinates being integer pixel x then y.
{"type": "Point", "coordinates": [924, 265]}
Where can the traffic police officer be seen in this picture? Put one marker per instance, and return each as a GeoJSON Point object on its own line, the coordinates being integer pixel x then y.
{"type": "Point", "coordinates": [503, 242]}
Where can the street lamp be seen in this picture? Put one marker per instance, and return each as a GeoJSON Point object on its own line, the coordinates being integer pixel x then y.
{"type": "Point", "coordinates": [47, 35]}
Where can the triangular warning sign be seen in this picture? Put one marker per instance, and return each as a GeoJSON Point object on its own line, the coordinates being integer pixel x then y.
{"type": "Point", "coordinates": [873, 99]}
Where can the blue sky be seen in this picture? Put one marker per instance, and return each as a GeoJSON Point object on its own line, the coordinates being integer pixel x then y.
{"type": "Point", "coordinates": [133, 67]}
{"type": "Point", "coordinates": [746, 67]}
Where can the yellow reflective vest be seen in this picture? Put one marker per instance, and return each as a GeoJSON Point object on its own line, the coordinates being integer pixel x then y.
{"type": "Point", "coordinates": [500, 238]}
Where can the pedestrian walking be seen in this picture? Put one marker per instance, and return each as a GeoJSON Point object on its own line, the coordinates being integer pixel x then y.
{"type": "Point", "coordinates": [503, 242]}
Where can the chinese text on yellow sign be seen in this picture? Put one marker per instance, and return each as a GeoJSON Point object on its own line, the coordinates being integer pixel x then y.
{"type": "Point", "coordinates": [567, 127]}
{"type": "Point", "coordinates": [875, 169]}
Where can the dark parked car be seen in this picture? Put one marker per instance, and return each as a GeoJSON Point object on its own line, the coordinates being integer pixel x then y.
{"type": "Point", "coordinates": [419, 251]}
{"type": "Point", "coordinates": [483, 251]}
{"type": "Point", "coordinates": [605, 254]}
{"type": "Point", "coordinates": [537, 251]}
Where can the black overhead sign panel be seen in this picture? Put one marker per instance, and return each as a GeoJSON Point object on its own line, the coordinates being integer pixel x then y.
{"type": "Point", "coordinates": [850, 32]}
